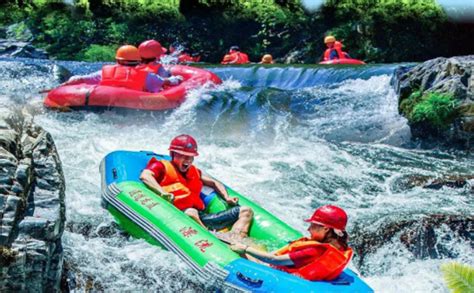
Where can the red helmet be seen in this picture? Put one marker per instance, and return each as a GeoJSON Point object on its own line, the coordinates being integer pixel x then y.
{"type": "Point", "coordinates": [330, 216]}
{"type": "Point", "coordinates": [150, 49]}
{"type": "Point", "coordinates": [185, 145]}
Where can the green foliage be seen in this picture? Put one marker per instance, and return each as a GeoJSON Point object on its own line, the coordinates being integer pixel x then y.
{"type": "Point", "coordinates": [407, 105]}
{"type": "Point", "coordinates": [458, 277]}
{"type": "Point", "coordinates": [99, 53]}
{"type": "Point", "coordinates": [372, 30]}
{"type": "Point", "coordinates": [436, 109]}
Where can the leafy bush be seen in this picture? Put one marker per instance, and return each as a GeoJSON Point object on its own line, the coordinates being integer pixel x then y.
{"type": "Point", "coordinates": [372, 30]}
{"type": "Point", "coordinates": [437, 109]}
{"type": "Point", "coordinates": [99, 53]}
{"type": "Point", "coordinates": [407, 105]}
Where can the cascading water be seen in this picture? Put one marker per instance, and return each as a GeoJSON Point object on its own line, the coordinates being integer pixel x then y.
{"type": "Point", "coordinates": [290, 138]}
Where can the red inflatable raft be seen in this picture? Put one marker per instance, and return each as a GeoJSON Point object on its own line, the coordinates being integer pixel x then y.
{"type": "Point", "coordinates": [343, 61]}
{"type": "Point", "coordinates": [93, 95]}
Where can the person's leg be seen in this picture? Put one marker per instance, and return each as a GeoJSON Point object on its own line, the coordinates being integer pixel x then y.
{"type": "Point", "coordinates": [220, 220]}
{"type": "Point", "coordinates": [241, 226]}
{"type": "Point", "coordinates": [194, 214]}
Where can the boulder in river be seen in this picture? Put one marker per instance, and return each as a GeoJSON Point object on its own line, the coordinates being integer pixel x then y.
{"type": "Point", "coordinates": [437, 98]}
{"type": "Point", "coordinates": [32, 210]}
{"type": "Point", "coordinates": [423, 236]}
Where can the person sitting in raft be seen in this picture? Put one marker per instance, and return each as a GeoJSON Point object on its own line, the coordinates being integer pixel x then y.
{"type": "Point", "coordinates": [334, 49]}
{"type": "Point", "coordinates": [338, 46]}
{"type": "Point", "coordinates": [150, 53]}
{"type": "Point", "coordinates": [323, 256]}
{"type": "Point", "coordinates": [180, 179]}
{"type": "Point", "coordinates": [267, 59]}
{"type": "Point", "coordinates": [235, 56]}
{"type": "Point", "coordinates": [187, 57]}
{"type": "Point", "coordinates": [183, 54]}
{"type": "Point", "coordinates": [123, 74]}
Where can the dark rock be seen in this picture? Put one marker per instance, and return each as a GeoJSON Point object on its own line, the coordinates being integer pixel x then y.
{"type": "Point", "coordinates": [12, 48]}
{"type": "Point", "coordinates": [19, 32]}
{"type": "Point", "coordinates": [60, 73]}
{"type": "Point", "coordinates": [32, 212]}
{"type": "Point", "coordinates": [89, 230]}
{"type": "Point", "coordinates": [421, 236]}
{"type": "Point", "coordinates": [452, 181]}
{"type": "Point", "coordinates": [294, 56]}
{"type": "Point", "coordinates": [453, 76]}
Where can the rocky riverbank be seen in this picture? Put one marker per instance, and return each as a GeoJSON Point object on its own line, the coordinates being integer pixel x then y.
{"type": "Point", "coordinates": [32, 210]}
{"type": "Point", "coordinates": [437, 98]}
{"type": "Point", "coordinates": [15, 41]}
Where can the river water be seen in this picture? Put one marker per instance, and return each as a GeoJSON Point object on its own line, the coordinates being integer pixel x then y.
{"type": "Point", "coordinates": [291, 138]}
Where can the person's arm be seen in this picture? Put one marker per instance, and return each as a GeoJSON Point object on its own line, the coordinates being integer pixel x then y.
{"type": "Point", "coordinates": [163, 72]}
{"type": "Point", "coordinates": [92, 78]}
{"type": "Point", "coordinates": [154, 83]}
{"type": "Point", "coordinates": [148, 177]}
{"type": "Point", "coordinates": [279, 260]}
{"type": "Point", "coordinates": [219, 188]}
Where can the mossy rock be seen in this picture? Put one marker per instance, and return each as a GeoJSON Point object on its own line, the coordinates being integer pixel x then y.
{"type": "Point", "coordinates": [466, 110]}
{"type": "Point", "coordinates": [7, 255]}
{"type": "Point", "coordinates": [432, 109]}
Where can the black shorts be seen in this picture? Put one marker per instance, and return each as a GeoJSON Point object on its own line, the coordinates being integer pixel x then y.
{"type": "Point", "coordinates": [220, 220]}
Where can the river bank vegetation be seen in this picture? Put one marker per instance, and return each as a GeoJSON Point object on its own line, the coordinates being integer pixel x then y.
{"type": "Point", "coordinates": [372, 30]}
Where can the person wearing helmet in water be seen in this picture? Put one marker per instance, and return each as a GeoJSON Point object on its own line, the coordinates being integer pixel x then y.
{"type": "Point", "coordinates": [150, 53]}
{"type": "Point", "coordinates": [181, 180]}
{"type": "Point", "coordinates": [334, 49]}
{"type": "Point", "coordinates": [267, 59]}
{"type": "Point", "coordinates": [338, 46]}
{"type": "Point", "coordinates": [322, 256]}
{"type": "Point", "coordinates": [123, 74]}
{"type": "Point", "coordinates": [183, 54]}
{"type": "Point", "coordinates": [235, 56]}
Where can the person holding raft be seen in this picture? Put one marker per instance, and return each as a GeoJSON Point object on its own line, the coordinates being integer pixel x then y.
{"type": "Point", "coordinates": [322, 256]}
{"type": "Point", "coordinates": [181, 180]}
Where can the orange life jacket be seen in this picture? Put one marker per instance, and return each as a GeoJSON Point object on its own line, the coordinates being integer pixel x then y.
{"type": "Point", "coordinates": [227, 59]}
{"type": "Point", "coordinates": [124, 76]}
{"type": "Point", "coordinates": [327, 264]}
{"type": "Point", "coordinates": [235, 58]}
{"type": "Point", "coordinates": [182, 58]}
{"type": "Point", "coordinates": [152, 67]}
{"type": "Point", "coordinates": [187, 190]}
{"type": "Point", "coordinates": [243, 58]}
{"type": "Point", "coordinates": [327, 53]}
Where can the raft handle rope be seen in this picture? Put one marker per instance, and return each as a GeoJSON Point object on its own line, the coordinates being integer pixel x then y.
{"type": "Point", "coordinates": [249, 281]}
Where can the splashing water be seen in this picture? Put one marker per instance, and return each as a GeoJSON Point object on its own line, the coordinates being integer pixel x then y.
{"type": "Point", "coordinates": [290, 138]}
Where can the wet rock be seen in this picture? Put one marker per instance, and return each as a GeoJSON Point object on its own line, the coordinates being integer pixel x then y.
{"type": "Point", "coordinates": [453, 76]}
{"type": "Point", "coordinates": [429, 182]}
{"type": "Point", "coordinates": [422, 236]}
{"type": "Point", "coordinates": [13, 48]}
{"type": "Point", "coordinates": [294, 56]}
{"type": "Point", "coordinates": [60, 73]}
{"type": "Point", "coordinates": [19, 32]}
{"type": "Point", "coordinates": [32, 214]}
{"type": "Point", "coordinates": [89, 230]}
